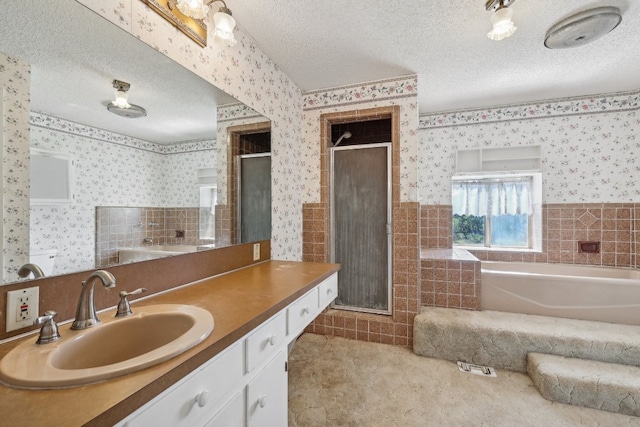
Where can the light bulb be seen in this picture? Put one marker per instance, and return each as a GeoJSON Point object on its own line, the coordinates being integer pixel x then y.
{"type": "Point", "coordinates": [224, 24]}
{"type": "Point", "coordinates": [502, 25]}
{"type": "Point", "coordinates": [193, 8]}
{"type": "Point", "coordinates": [121, 99]}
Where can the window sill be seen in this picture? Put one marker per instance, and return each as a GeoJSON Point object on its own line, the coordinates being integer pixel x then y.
{"type": "Point", "coordinates": [483, 248]}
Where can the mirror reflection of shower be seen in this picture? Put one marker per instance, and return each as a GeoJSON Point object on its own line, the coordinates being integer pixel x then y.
{"type": "Point", "coordinates": [345, 135]}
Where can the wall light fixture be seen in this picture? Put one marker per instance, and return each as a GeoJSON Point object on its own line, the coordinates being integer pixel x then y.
{"type": "Point", "coordinates": [503, 26]}
{"type": "Point", "coordinates": [222, 19]}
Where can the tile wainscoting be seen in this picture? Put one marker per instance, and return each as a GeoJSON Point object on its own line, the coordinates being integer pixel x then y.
{"type": "Point", "coordinates": [126, 227]}
{"type": "Point", "coordinates": [395, 329]}
{"type": "Point", "coordinates": [615, 225]}
{"type": "Point", "coordinates": [451, 278]}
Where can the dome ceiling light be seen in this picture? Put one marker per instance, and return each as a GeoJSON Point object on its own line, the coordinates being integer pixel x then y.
{"type": "Point", "coordinates": [120, 105]}
{"type": "Point", "coordinates": [583, 28]}
{"type": "Point", "coordinates": [503, 26]}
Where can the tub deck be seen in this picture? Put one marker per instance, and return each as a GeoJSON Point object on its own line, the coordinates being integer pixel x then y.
{"type": "Point", "coordinates": [577, 362]}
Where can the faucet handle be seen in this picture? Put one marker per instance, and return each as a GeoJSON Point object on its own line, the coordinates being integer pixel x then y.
{"type": "Point", "coordinates": [124, 307]}
{"type": "Point", "coordinates": [49, 331]}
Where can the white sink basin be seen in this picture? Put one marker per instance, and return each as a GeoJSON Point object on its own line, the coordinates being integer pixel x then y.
{"type": "Point", "coordinates": [117, 346]}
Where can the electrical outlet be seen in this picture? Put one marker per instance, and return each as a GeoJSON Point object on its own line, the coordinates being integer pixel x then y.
{"type": "Point", "coordinates": [22, 308]}
{"type": "Point", "coordinates": [256, 251]}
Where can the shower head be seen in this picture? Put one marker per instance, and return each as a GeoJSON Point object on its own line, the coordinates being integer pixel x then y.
{"type": "Point", "coordinates": [345, 135]}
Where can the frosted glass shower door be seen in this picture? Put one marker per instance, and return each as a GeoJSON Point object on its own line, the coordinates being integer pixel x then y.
{"type": "Point", "coordinates": [254, 197]}
{"type": "Point", "coordinates": [361, 225]}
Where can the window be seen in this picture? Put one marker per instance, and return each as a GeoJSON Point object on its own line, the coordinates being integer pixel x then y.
{"type": "Point", "coordinates": [493, 212]}
{"type": "Point", "coordinates": [208, 197]}
{"type": "Point", "coordinates": [208, 193]}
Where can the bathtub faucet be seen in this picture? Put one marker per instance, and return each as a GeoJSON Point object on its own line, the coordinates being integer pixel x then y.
{"type": "Point", "coordinates": [147, 241]}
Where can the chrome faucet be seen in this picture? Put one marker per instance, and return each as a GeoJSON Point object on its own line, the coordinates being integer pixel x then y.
{"type": "Point", "coordinates": [86, 312]}
{"type": "Point", "coordinates": [124, 306]}
{"type": "Point", "coordinates": [29, 268]}
{"type": "Point", "coordinates": [49, 331]}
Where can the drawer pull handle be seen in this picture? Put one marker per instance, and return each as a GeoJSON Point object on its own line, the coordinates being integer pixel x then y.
{"type": "Point", "coordinates": [329, 291]}
{"type": "Point", "coordinates": [272, 340]}
{"type": "Point", "coordinates": [202, 398]}
{"type": "Point", "coordinates": [305, 310]}
{"type": "Point", "coordinates": [262, 401]}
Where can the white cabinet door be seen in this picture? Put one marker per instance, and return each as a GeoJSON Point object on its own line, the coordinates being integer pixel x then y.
{"type": "Point", "coordinates": [232, 415]}
{"type": "Point", "coordinates": [267, 395]}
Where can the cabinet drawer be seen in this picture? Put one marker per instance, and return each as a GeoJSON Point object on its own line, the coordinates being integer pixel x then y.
{"type": "Point", "coordinates": [264, 340]}
{"type": "Point", "coordinates": [302, 312]}
{"type": "Point", "coordinates": [327, 291]}
{"type": "Point", "coordinates": [197, 396]}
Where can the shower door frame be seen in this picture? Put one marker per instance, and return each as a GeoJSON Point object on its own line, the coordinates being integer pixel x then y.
{"type": "Point", "coordinates": [389, 200]}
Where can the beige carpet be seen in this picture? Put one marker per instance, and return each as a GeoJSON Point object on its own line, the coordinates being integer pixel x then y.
{"type": "Point", "coordinates": [338, 382]}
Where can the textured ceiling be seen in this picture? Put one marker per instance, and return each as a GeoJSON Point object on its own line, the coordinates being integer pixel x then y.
{"type": "Point", "coordinates": [75, 55]}
{"type": "Point", "coordinates": [328, 43]}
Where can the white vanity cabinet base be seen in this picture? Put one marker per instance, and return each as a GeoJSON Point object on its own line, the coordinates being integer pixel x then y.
{"type": "Point", "coordinates": [244, 385]}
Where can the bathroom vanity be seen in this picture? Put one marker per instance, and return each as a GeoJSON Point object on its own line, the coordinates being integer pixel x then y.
{"type": "Point", "coordinates": [236, 376]}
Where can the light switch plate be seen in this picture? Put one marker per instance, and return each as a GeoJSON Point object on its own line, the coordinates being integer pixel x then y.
{"type": "Point", "coordinates": [22, 307]}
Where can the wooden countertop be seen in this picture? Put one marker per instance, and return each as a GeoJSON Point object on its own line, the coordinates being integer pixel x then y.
{"type": "Point", "coordinates": [239, 301]}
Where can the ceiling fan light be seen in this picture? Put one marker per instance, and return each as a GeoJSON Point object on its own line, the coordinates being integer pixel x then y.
{"type": "Point", "coordinates": [224, 26]}
{"type": "Point", "coordinates": [503, 26]}
{"type": "Point", "coordinates": [193, 8]}
{"type": "Point", "coordinates": [121, 100]}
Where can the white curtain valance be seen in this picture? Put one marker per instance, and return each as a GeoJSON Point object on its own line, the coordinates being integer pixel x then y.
{"type": "Point", "coordinates": [492, 197]}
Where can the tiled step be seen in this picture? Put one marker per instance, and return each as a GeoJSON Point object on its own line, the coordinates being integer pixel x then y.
{"type": "Point", "coordinates": [502, 340]}
{"type": "Point", "coordinates": [600, 385]}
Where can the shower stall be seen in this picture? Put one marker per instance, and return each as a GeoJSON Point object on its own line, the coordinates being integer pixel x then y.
{"type": "Point", "coordinates": [361, 215]}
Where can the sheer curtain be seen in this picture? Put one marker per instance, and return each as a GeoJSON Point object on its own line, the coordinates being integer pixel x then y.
{"type": "Point", "coordinates": [482, 197]}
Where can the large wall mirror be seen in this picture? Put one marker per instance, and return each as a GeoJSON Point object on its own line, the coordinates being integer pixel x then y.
{"type": "Point", "coordinates": [155, 185]}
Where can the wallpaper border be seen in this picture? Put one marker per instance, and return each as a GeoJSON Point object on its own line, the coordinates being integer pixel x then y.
{"type": "Point", "coordinates": [237, 111]}
{"type": "Point", "coordinates": [379, 90]}
{"type": "Point", "coordinates": [50, 122]}
{"type": "Point", "coordinates": [561, 107]}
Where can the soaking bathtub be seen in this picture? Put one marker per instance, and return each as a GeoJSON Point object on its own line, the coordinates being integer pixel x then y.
{"type": "Point", "coordinates": [561, 290]}
{"type": "Point", "coordinates": [144, 253]}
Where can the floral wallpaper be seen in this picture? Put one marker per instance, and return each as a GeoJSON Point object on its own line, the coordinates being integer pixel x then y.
{"type": "Point", "coordinates": [402, 91]}
{"type": "Point", "coordinates": [578, 135]}
{"type": "Point", "coordinates": [246, 73]}
{"type": "Point", "coordinates": [15, 79]}
{"type": "Point", "coordinates": [109, 170]}
{"type": "Point", "coordinates": [14, 86]}
{"type": "Point", "coordinates": [590, 146]}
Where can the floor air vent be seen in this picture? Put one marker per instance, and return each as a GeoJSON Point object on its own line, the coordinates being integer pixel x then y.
{"type": "Point", "coordinates": [485, 371]}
